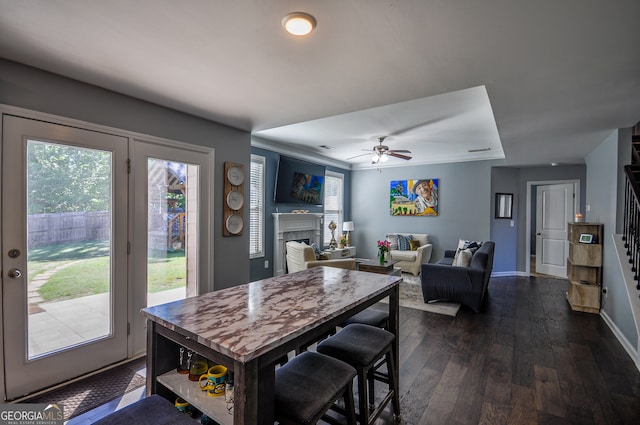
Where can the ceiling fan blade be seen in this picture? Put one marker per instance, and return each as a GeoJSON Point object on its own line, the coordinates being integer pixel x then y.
{"type": "Point", "coordinates": [397, 155]}
{"type": "Point", "coordinates": [399, 151]}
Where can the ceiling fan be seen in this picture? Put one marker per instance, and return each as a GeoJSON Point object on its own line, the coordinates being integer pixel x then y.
{"type": "Point", "coordinates": [381, 153]}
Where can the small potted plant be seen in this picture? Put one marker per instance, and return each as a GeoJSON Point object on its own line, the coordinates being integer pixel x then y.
{"type": "Point", "coordinates": [383, 247]}
{"type": "Point", "coordinates": [343, 241]}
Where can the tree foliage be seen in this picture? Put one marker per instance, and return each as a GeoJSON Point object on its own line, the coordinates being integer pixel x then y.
{"type": "Point", "coordinates": [67, 179]}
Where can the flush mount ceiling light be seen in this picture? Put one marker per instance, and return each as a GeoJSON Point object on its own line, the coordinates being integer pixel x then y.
{"type": "Point", "coordinates": [298, 23]}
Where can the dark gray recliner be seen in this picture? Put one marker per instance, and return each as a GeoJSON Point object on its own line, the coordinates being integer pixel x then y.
{"type": "Point", "coordinates": [464, 285]}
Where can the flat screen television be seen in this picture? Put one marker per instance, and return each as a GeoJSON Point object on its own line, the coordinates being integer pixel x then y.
{"type": "Point", "coordinates": [299, 182]}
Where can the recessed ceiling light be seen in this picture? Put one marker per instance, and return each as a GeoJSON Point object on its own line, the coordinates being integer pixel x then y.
{"type": "Point", "coordinates": [298, 23]}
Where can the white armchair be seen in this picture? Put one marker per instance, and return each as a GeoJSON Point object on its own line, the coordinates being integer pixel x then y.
{"type": "Point", "coordinates": [301, 256]}
{"type": "Point", "coordinates": [411, 259]}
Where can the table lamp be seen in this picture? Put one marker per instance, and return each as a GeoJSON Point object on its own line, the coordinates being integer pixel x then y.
{"type": "Point", "coordinates": [347, 226]}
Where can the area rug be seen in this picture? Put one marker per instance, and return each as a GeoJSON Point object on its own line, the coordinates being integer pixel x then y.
{"type": "Point", "coordinates": [411, 297]}
{"type": "Point", "coordinates": [91, 392]}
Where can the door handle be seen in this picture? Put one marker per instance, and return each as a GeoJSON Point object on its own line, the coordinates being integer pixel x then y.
{"type": "Point", "coordinates": [15, 273]}
{"type": "Point", "coordinates": [538, 234]}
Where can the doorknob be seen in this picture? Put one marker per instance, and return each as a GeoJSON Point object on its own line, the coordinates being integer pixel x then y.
{"type": "Point", "coordinates": [538, 234]}
{"type": "Point", "coordinates": [14, 273]}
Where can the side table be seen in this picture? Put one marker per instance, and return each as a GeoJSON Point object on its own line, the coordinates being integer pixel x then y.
{"type": "Point", "coordinates": [339, 253]}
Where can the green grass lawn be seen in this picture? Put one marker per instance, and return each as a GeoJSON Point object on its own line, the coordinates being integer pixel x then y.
{"type": "Point", "coordinates": [88, 275]}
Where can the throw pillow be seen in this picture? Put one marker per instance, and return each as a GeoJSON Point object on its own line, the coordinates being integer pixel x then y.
{"type": "Point", "coordinates": [393, 242]}
{"type": "Point", "coordinates": [465, 244]}
{"type": "Point", "coordinates": [414, 245]}
{"type": "Point", "coordinates": [463, 258]}
{"type": "Point", "coordinates": [472, 245]}
{"type": "Point", "coordinates": [403, 242]}
{"type": "Point", "coordinates": [317, 250]}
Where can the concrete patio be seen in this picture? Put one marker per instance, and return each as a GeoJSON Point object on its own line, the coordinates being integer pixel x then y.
{"type": "Point", "coordinates": [60, 324]}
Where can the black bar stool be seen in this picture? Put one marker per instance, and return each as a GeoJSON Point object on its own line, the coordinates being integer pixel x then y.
{"type": "Point", "coordinates": [362, 346]}
{"type": "Point", "coordinates": [370, 316]}
{"type": "Point", "coordinates": [307, 387]}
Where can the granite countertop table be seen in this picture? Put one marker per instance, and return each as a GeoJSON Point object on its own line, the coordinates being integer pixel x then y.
{"type": "Point", "coordinates": [245, 322]}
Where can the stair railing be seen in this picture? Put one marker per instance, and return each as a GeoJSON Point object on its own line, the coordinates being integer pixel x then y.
{"type": "Point", "coordinates": [631, 234]}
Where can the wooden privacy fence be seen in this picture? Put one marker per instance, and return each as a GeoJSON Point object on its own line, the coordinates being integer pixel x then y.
{"type": "Point", "coordinates": [60, 228]}
{"type": "Point", "coordinates": [50, 229]}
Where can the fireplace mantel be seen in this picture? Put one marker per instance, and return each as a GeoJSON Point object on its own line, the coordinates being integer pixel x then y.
{"type": "Point", "coordinates": [292, 226]}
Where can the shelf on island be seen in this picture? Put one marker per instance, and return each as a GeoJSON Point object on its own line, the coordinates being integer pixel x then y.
{"type": "Point", "coordinates": [214, 407]}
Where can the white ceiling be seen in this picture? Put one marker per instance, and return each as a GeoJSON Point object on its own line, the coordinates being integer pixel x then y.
{"type": "Point", "coordinates": [536, 81]}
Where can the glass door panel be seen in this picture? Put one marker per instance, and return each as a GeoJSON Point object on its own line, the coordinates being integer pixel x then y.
{"type": "Point", "coordinates": [172, 198]}
{"type": "Point", "coordinates": [69, 204]}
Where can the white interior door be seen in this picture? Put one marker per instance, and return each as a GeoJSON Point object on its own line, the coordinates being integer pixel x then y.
{"type": "Point", "coordinates": [554, 210]}
{"type": "Point", "coordinates": [64, 252]}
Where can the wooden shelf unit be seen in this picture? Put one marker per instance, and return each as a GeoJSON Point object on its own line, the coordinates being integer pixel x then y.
{"type": "Point", "coordinates": [584, 267]}
{"type": "Point", "coordinates": [163, 379]}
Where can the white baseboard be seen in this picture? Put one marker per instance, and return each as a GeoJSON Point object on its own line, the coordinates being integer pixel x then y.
{"type": "Point", "coordinates": [630, 349]}
{"type": "Point", "coordinates": [511, 273]}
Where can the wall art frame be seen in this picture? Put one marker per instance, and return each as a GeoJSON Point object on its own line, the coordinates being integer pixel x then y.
{"type": "Point", "coordinates": [504, 205]}
{"type": "Point", "coordinates": [414, 197]}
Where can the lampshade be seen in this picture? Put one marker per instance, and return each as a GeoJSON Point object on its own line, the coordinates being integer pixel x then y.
{"type": "Point", "coordinates": [347, 226]}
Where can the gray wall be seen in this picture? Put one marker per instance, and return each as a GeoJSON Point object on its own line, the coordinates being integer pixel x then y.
{"type": "Point", "coordinates": [257, 268]}
{"type": "Point", "coordinates": [41, 91]}
{"type": "Point", "coordinates": [504, 232]}
{"type": "Point", "coordinates": [465, 206]}
{"type": "Point", "coordinates": [602, 196]}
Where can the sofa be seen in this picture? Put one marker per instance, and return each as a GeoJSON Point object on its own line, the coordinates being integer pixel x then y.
{"type": "Point", "coordinates": [448, 280]}
{"type": "Point", "coordinates": [301, 256]}
{"type": "Point", "coordinates": [410, 258]}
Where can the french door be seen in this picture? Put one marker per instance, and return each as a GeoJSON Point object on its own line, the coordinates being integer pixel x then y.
{"type": "Point", "coordinates": [95, 227]}
{"type": "Point", "coordinates": [64, 252]}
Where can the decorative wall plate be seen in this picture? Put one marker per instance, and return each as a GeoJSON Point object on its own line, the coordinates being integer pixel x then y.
{"type": "Point", "coordinates": [235, 175]}
{"type": "Point", "coordinates": [234, 224]}
{"type": "Point", "coordinates": [235, 200]}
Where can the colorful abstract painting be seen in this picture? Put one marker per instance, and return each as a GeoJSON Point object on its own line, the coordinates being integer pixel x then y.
{"type": "Point", "coordinates": [414, 197]}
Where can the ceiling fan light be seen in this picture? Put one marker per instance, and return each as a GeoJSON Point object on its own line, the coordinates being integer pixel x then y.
{"type": "Point", "coordinates": [298, 23]}
{"type": "Point", "coordinates": [384, 158]}
{"type": "Point", "coordinates": [375, 158]}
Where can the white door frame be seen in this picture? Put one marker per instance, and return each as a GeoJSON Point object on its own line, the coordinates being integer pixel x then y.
{"type": "Point", "coordinates": [530, 184]}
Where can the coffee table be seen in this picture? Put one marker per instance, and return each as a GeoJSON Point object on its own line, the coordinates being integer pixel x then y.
{"type": "Point", "coordinates": [374, 266]}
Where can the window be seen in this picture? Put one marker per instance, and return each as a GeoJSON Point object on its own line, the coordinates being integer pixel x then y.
{"type": "Point", "coordinates": [333, 204]}
{"type": "Point", "coordinates": [256, 212]}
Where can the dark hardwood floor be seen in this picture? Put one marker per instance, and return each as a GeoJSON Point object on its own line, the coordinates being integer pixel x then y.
{"type": "Point", "coordinates": [525, 359]}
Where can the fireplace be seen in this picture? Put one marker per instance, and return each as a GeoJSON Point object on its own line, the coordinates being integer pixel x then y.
{"type": "Point", "coordinates": [293, 227]}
